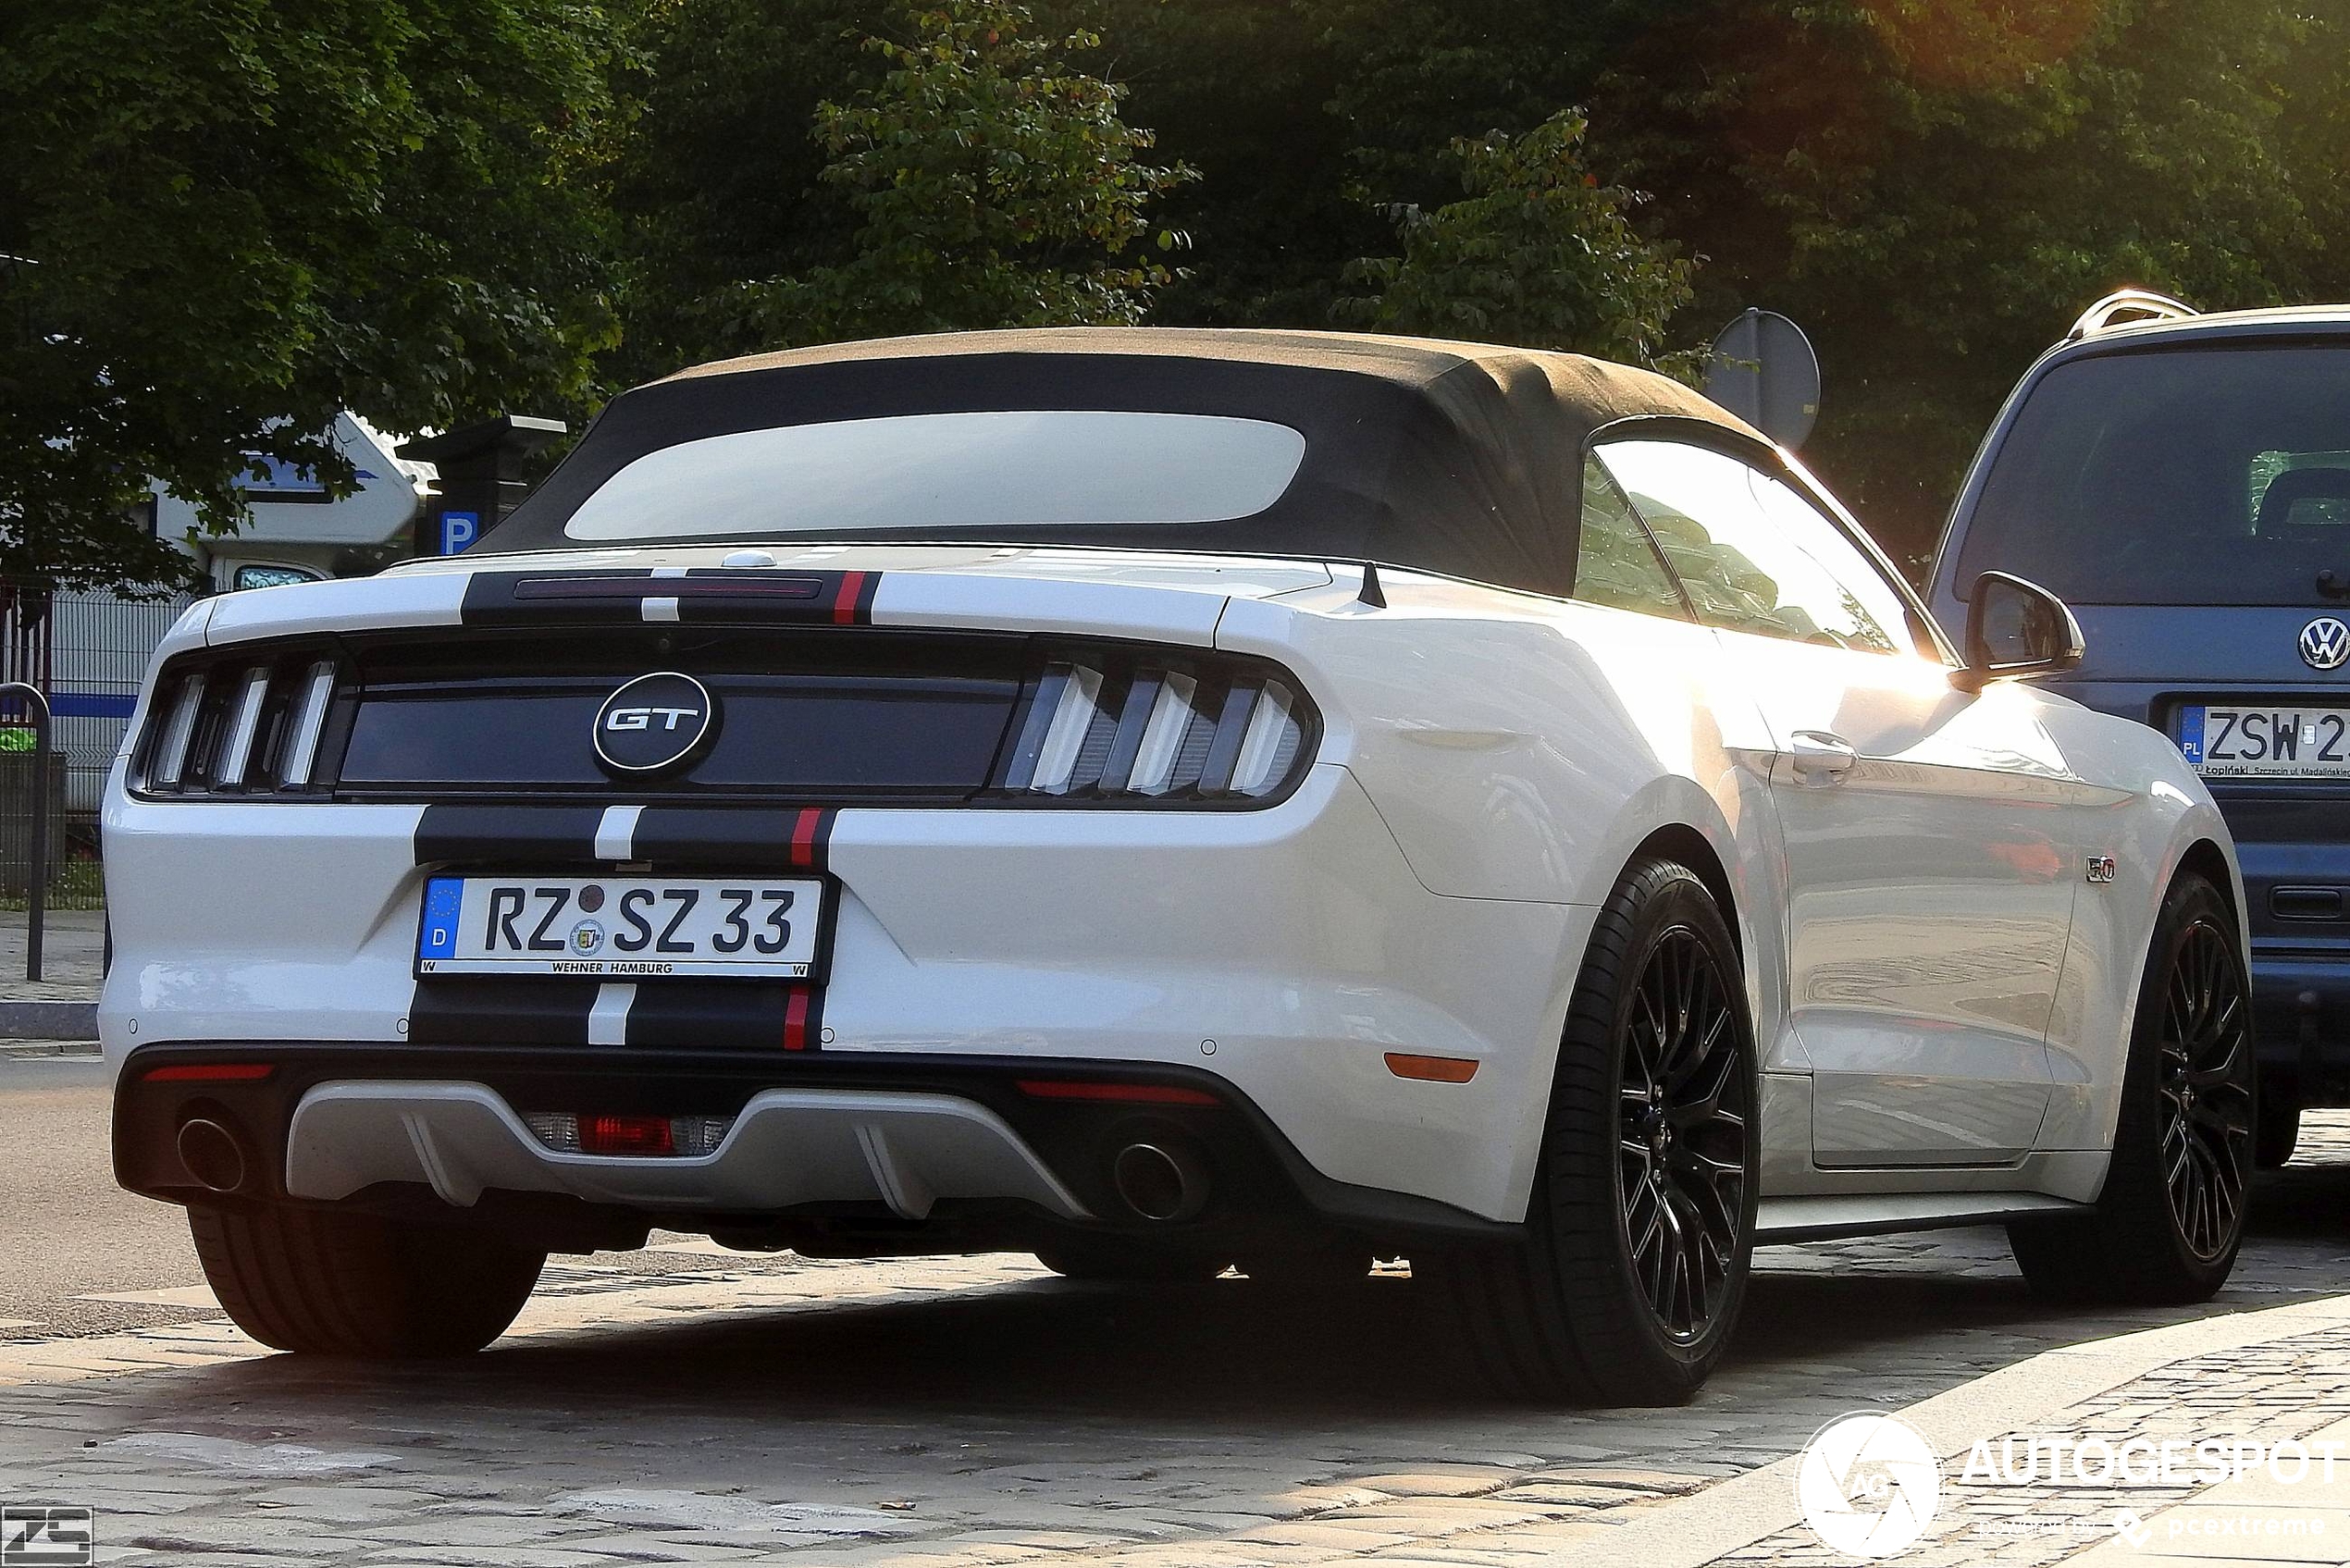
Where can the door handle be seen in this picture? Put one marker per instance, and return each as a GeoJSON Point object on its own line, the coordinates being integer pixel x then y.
{"type": "Point", "coordinates": [1820, 758]}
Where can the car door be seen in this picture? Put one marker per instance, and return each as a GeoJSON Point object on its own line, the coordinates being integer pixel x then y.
{"type": "Point", "coordinates": [1926, 830]}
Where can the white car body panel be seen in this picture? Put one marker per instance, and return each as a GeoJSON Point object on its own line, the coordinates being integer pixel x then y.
{"type": "Point", "coordinates": [1934, 986]}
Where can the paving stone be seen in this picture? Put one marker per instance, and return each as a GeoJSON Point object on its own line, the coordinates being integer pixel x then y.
{"type": "Point", "coordinates": [978, 1415]}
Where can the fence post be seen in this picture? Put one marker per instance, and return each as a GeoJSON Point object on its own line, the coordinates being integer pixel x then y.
{"type": "Point", "coordinates": [37, 841]}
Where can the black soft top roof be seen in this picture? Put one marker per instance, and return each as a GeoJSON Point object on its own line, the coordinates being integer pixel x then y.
{"type": "Point", "coordinates": [1453, 458]}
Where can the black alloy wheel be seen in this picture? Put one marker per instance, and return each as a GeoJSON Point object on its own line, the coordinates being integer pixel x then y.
{"type": "Point", "coordinates": [2206, 1082]}
{"type": "Point", "coordinates": [1682, 1148]}
{"type": "Point", "coordinates": [1626, 1286]}
{"type": "Point", "coordinates": [2165, 1227]}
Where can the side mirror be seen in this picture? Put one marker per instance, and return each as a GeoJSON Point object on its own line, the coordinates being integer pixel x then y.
{"type": "Point", "coordinates": [2016, 630]}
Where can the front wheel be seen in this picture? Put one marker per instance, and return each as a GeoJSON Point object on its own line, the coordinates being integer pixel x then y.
{"type": "Point", "coordinates": [1639, 1233]}
{"type": "Point", "coordinates": [2166, 1228]}
{"type": "Point", "coordinates": [357, 1285]}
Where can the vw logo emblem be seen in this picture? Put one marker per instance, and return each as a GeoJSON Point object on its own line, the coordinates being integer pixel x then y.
{"type": "Point", "coordinates": [2325, 644]}
{"type": "Point", "coordinates": [655, 721]}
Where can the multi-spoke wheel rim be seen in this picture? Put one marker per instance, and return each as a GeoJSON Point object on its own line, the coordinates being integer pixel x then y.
{"type": "Point", "coordinates": [2205, 1086]}
{"type": "Point", "coordinates": [1682, 1136]}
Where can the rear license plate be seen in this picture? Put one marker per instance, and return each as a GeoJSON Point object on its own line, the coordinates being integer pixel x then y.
{"type": "Point", "coordinates": [622, 927]}
{"type": "Point", "coordinates": [2266, 742]}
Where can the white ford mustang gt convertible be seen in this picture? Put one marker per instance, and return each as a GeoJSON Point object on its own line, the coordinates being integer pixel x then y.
{"type": "Point", "coordinates": [1161, 801]}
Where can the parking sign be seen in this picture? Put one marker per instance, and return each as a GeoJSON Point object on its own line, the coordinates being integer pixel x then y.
{"type": "Point", "coordinates": [459, 529]}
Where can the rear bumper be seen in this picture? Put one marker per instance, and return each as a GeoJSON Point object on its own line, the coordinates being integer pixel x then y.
{"type": "Point", "coordinates": [1285, 951]}
{"type": "Point", "coordinates": [2301, 1019]}
{"type": "Point", "coordinates": [823, 1153]}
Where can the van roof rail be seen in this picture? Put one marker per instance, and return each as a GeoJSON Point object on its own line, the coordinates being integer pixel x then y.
{"type": "Point", "coordinates": [2124, 305]}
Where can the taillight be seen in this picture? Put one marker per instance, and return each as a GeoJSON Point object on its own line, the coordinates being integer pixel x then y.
{"type": "Point", "coordinates": [1141, 728]}
{"type": "Point", "coordinates": [247, 725]}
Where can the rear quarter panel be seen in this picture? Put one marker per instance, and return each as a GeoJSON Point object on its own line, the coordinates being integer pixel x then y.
{"type": "Point", "coordinates": [1522, 749]}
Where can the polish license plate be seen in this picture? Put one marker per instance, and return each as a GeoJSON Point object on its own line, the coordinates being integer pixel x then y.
{"type": "Point", "coordinates": [626, 927]}
{"type": "Point", "coordinates": [2272, 741]}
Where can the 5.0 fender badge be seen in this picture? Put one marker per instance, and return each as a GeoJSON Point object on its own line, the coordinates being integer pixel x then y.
{"type": "Point", "coordinates": [655, 721]}
{"type": "Point", "coordinates": [2101, 868]}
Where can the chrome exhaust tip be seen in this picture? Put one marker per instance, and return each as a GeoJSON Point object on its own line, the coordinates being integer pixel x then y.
{"type": "Point", "coordinates": [1161, 1183]}
{"type": "Point", "coordinates": [214, 1156]}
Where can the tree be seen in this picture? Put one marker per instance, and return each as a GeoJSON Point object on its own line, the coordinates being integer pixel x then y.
{"type": "Point", "coordinates": [714, 176]}
{"type": "Point", "coordinates": [246, 216]}
{"type": "Point", "coordinates": [1537, 253]}
{"type": "Point", "coordinates": [992, 184]}
{"type": "Point", "coordinates": [1935, 187]}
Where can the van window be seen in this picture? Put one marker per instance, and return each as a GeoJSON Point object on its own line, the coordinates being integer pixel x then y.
{"type": "Point", "coordinates": [2206, 476]}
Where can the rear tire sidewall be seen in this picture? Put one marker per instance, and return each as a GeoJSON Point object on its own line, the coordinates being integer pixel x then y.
{"type": "Point", "coordinates": [1656, 899]}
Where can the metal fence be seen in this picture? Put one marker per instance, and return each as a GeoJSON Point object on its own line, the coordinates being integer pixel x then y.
{"type": "Point", "coordinates": [88, 651]}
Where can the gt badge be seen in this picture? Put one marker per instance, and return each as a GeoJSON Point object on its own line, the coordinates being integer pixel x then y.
{"type": "Point", "coordinates": [655, 721]}
{"type": "Point", "coordinates": [2101, 868]}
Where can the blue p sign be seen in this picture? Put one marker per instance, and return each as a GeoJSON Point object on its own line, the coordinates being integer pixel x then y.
{"type": "Point", "coordinates": [459, 529]}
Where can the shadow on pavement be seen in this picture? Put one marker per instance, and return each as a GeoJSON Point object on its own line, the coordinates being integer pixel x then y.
{"type": "Point", "coordinates": [1887, 1314]}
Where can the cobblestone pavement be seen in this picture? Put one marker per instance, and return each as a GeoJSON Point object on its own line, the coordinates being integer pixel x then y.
{"type": "Point", "coordinates": [694, 1406]}
{"type": "Point", "coordinates": [2028, 1503]}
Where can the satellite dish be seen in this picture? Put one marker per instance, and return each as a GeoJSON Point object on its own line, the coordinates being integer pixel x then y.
{"type": "Point", "coordinates": [1763, 371]}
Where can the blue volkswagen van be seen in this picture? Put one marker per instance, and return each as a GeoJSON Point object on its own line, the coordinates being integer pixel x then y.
{"type": "Point", "coordinates": [2182, 482]}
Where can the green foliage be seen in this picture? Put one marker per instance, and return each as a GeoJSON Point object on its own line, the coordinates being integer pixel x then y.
{"type": "Point", "coordinates": [993, 185]}
{"type": "Point", "coordinates": [248, 216]}
{"type": "Point", "coordinates": [715, 179]}
{"type": "Point", "coordinates": [1935, 187]}
{"type": "Point", "coordinates": [1538, 253]}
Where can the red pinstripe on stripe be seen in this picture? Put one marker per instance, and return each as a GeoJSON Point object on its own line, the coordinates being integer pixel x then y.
{"type": "Point", "coordinates": [796, 1019]}
{"type": "Point", "coordinates": [803, 835]}
{"type": "Point", "coordinates": [852, 586]}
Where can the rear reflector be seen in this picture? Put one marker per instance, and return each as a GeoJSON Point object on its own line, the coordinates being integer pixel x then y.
{"type": "Point", "coordinates": [1433, 1069]}
{"type": "Point", "coordinates": [1124, 1093]}
{"type": "Point", "coordinates": [209, 1072]}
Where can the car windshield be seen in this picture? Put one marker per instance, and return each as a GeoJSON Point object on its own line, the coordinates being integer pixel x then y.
{"type": "Point", "coordinates": [2206, 476]}
{"type": "Point", "coordinates": [949, 471]}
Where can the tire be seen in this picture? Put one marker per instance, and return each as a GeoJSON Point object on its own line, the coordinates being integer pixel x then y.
{"type": "Point", "coordinates": [2276, 1128]}
{"type": "Point", "coordinates": [2166, 1227]}
{"type": "Point", "coordinates": [357, 1285]}
{"type": "Point", "coordinates": [1632, 1184]}
{"type": "Point", "coordinates": [1116, 1260]}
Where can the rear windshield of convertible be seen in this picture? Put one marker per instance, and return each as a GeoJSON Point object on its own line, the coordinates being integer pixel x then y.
{"type": "Point", "coordinates": [979, 470]}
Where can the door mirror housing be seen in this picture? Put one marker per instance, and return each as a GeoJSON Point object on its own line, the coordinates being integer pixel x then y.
{"type": "Point", "coordinates": [2016, 630]}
